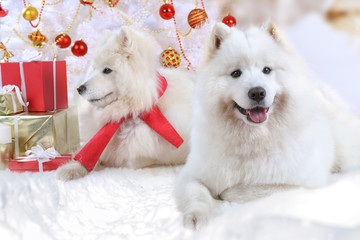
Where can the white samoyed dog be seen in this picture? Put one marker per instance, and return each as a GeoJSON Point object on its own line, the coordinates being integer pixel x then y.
{"type": "Point", "coordinates": [121, 81]}
{"type": "Point", "coordinates": [259, 125]}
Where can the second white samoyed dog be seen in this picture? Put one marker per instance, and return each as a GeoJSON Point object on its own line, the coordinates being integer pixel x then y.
{"type": "Point", "coordinates": [122, 80]}
{"type": "Point", "coordinates": [259, 125]}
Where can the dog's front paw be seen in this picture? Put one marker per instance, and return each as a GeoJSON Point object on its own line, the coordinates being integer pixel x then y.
{"type": "Point", "coordinates": [195, 220]}
{"type": "Point", "coordinates": [70, 171]}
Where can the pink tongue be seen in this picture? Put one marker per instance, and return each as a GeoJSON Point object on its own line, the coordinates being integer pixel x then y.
{"type": "Point", "coordinates": [257, 115]}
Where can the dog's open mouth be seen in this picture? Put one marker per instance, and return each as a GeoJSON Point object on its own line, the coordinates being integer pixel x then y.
{"type": "Point", "coordinates": [255, 115]}
{"type": "Point", "coordinates": [94, 100]}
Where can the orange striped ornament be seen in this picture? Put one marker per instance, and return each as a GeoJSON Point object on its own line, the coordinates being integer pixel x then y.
{"type": "Point", "coordinates": [37, 38]}
{"type": "Point", "coordinates": [197, 17]}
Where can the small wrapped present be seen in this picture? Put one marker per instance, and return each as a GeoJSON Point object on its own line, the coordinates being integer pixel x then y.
{"type": "Point", "coordinates": [11, 102]}
{"type": "Point", "coordinates": [39, 160]}
{"type": "Point", "coordinates": [58, 129]}
{"type": "Point", "coordinates": [43, 84]}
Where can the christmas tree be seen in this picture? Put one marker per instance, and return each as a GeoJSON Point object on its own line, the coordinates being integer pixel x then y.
{"type": "Point", "coordinates": [39, 30]}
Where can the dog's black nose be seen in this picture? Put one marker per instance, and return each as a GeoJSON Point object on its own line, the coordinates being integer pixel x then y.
{"type": "Point", "coordinates": [257, 94]}
{"type": "Point", "coordinates": [81, 89]}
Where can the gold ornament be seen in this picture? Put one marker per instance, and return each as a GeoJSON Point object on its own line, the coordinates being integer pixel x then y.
{"type": "Point", "coordinates": [37, 38]}
{"type": "Point", "coordinates": [170, 58]}
{"type": "Point", "coordinates": [6, 55]}
{"type": "Point", "coordinates": [30, 13]}
{"type": "Point", "coordinates": [66, 31]}
{"type": "Point", "coordinates": [112, 3]}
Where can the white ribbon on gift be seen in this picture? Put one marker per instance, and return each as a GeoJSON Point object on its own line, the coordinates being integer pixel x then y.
{"type": "Point", "coordinates": [39, 154]}
{"type": "Point", "coordinates": [23, 85]}
{"type": "Point", "coordinates": [16, 132]}
{"type": "Point", "coordinates": [54, 81]}
{"type": "Point", "coordinates": [9, 89]}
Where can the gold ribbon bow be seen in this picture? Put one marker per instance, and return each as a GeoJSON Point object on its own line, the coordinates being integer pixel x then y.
{"type": "Point", "coordinates": [7, 53]}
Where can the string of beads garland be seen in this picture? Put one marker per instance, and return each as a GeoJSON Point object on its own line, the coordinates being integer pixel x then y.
{"type": "Point", "coordinates": [53, 3]}
{"type": "Point", "coordinates": [202, 4]}
{"type": "Point", "coordinates": [130, 22]}
{"type": "Point", "coordinates": [70, 26]}
{"type": "Point", "coordinates": [90, 4]}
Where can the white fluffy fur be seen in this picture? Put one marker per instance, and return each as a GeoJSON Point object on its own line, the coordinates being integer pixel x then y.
{"type": "Point", "coordinates": [132, 88]}
{"type": "Point", "coordinates": [309, 131]}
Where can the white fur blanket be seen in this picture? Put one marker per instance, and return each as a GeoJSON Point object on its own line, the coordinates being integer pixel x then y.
{"type": "Point", "coordinates": [139, 204]}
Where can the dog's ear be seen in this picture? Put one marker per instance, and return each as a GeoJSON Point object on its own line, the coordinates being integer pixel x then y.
{"type": "Point", "coordinates": [125, 41]}
{"type": "Point", "coordinates": [218, 35]}
{"type": "Point", "coordinates": [270, 27]}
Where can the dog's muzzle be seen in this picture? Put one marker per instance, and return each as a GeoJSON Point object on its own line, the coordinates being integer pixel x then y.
{"type": "Point", "coordinates": [254, 115]}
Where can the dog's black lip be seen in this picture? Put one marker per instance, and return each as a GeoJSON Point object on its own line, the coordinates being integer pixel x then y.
{"type": "Point", "coordinates": [99, 99]}
{"type": "Point", "coordinates": [243, 111]}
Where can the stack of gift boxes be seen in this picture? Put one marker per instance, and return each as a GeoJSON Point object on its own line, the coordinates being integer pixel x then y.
{"type": "Point", "coordinates": [34, 112]}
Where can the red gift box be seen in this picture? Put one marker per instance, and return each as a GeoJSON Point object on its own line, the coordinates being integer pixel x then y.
{"type": "Point", "coordinates": [44, 90]}
{"type": "Point", "coordinates": [33, 164]}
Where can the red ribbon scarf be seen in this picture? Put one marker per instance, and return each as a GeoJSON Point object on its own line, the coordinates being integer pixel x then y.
{"type": "Point", "coordinates": [90, 153]}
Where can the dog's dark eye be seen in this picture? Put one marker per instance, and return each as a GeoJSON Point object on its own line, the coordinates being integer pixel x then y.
{"type": "Point", "coordinates": [266, 70]}
{"type": "Point", "coordinates": [107, 70]}
{"type": "Point", "coordinates": [236, 73]}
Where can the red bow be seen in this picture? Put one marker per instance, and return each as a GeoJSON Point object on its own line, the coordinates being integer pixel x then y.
{"type": "Point", "coordinates": [90, 153]}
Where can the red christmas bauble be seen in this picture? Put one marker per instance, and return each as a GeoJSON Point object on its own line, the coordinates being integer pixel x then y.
{"type": "Point", "coordinates": [3, 12]}
{"type": "Point", "coordinates": [197, 17]}
{"type": "Point", "coordinates": [79, 48]}
{"type": "Point", "coordinates": [229, 20]}
{"type": "Point", "coordinates": [167, 11]}
{"type": "Point", "coordinates": [87, 2]}
{"type": "Point", "coordinates": [63, 41]}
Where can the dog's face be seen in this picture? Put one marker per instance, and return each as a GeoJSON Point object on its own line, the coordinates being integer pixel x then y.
{"type": "Point", "coordinates": [120, 73]}
{"type": "Point", "coordinates": [246, 69]}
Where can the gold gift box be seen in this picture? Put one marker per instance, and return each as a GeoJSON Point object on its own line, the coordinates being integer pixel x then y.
{"type": "Point", "coordinates": [7, 104]}
{"type": "Point", "coordinates": [6, 154]}
{"type": "Point", "coordinates": [58, 129]}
